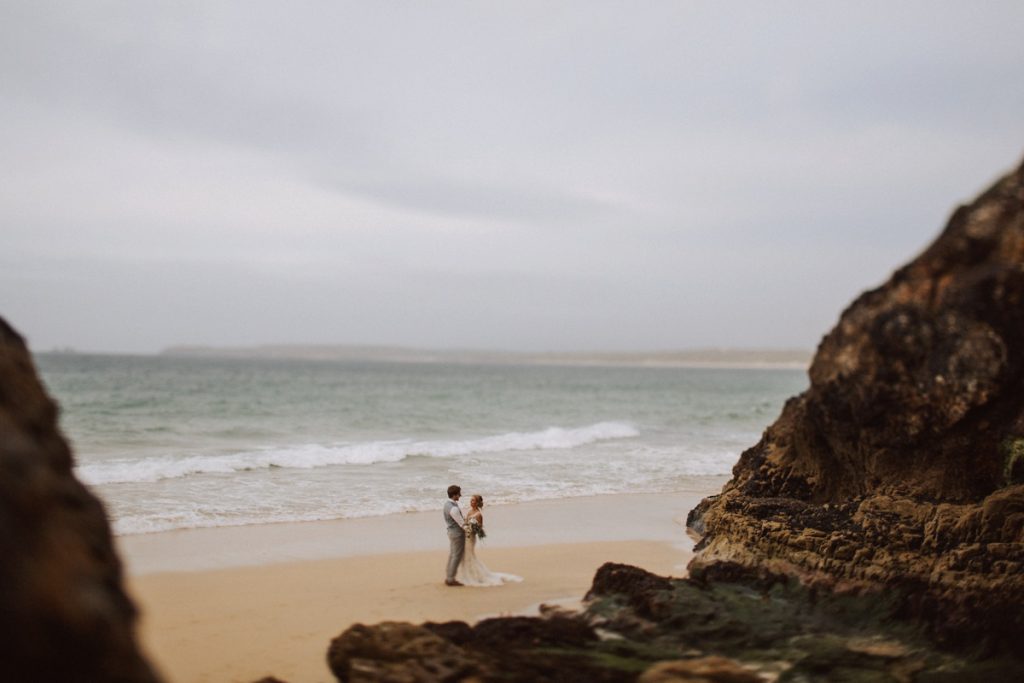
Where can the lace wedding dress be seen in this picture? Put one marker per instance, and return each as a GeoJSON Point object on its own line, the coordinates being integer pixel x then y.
{"type": "Point", "coordinates": [473, 572]}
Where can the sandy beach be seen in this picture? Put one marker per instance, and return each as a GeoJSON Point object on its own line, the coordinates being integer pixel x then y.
{"type": "Point", "coordinates": [236, 604]}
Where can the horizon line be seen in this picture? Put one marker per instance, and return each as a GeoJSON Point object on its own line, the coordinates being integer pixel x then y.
{"type": "Point", "coordinates": [697, 357]}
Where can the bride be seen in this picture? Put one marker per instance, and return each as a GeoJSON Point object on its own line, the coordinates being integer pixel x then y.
{"type": "Point", "coordinates": [473, 572]}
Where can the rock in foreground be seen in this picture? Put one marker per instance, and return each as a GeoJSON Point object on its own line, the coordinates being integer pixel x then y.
{"type": "Point", "coordinates": [64, 614]}
{"type": "Point", "coordinates": [641, 627]}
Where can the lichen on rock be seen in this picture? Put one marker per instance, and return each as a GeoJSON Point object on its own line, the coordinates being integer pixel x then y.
{"type": "Point", "coordinates": [1013, 467]}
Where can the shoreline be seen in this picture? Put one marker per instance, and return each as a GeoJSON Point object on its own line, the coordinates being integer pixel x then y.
{"type": "Point", "coordinates": [623, 517]}
{"type": "Point", "coordinates": [239, 603]}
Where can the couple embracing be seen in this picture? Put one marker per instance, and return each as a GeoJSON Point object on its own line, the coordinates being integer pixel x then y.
{"type": "Point", "coordinates": [464, 569]}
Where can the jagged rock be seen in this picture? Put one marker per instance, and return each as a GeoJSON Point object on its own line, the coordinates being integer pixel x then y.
{"type": "Point", "coordinates": [64, 614]}
{"type": "Point", "coordinates": [524, 649]}
{"type": "Point", "coordinates": [775, 626]}
{"type": "Point", "coordinates": [525, 632]}
{"type": "Point", "coordinates": [742, 626]}
{"type": "Point", "coordinates": [396, 652]}
{"type": "Point", "coordinates": [642, 589]}
{"type": "Point", "coordinates": [902, 466]}
{"type": "Point", "coordinates": [699, 670]}
{"type": "Point", "coordinates": [458, 632]}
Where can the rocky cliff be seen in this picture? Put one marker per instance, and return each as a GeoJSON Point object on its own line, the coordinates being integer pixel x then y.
{"type": "Point", "coordinates": [64, 615]}
{"type": "Point", "coordinates": [902, 466]}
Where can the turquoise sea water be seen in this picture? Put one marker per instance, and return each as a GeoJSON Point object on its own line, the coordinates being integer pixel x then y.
{"type": "Point", "coordinates": [188, 442]}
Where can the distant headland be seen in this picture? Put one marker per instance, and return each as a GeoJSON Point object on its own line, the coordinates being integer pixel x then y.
{"type": "Point", "coordinates": [712, 358]}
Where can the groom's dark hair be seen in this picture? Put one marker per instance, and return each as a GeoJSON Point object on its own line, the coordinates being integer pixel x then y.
{"type": "Point", "coordinates": [454, 490]}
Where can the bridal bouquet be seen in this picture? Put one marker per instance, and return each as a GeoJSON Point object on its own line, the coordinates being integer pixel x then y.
{"type": "Point", "coordinates": [474, 528]}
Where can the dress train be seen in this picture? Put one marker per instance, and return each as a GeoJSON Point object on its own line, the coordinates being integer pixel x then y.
{"type": "Point", "coordinates": [473, 572]}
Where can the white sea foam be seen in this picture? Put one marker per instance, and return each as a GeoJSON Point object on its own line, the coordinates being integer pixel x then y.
{"type": "Point", "coordinates": [203, 516]}
{"type": "Point", "coordinates": [309, 456]}
{"type": "Point", "coordinates": [603, 468]}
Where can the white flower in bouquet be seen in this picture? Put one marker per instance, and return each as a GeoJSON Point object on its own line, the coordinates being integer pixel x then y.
{"type": "Point", "coordinates": [474, 528]}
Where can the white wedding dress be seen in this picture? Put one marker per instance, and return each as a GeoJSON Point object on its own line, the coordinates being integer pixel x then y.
{"type": "Point", "coordinates": [473, 572]}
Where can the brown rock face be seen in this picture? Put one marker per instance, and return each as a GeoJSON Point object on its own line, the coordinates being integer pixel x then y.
{"type": "Point", "coordinates": [64, 615]}
{"type": "Point", "coordinates": [396, 651]}
{"type": "Point", "coordinates": [701, 670]}
{"type": "Point", "coordinates": [511, 649]}
{"type": "Point", "coordinates": [903, 463]}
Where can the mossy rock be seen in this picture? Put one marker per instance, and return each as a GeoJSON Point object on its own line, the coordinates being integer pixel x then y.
{"type": "Point", "coordinates": [1013, 461]}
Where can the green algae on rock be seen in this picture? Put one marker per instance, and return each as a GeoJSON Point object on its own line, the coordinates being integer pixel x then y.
{"type": "Point", "coordinates": [733, 626]}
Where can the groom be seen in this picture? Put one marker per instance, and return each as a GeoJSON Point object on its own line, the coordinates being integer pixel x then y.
{"type": "Point", "coordinates": [454, 521]}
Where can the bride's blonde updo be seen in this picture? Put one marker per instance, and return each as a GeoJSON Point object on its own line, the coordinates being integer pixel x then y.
{"type": "Point", "coordinates": [478, 499]}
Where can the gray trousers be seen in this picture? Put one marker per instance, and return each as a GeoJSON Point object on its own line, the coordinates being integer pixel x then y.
{"type": "Point", "coordinates": [457, 539]}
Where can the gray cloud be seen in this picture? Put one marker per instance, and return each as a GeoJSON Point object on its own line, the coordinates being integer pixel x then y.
{"type": "Point", "coordinates": [532, 175]}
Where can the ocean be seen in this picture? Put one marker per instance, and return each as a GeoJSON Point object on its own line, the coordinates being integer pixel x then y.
{"type": "Point", "coordinates": [172, 443]}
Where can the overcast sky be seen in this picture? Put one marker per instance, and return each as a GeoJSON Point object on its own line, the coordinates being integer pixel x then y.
{"type": "Point", "coordinates": [522, 176]}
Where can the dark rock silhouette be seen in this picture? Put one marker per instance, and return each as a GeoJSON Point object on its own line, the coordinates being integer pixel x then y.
{"type": "Point", "coordinates": [64, 614]}
{"type": "Point", "coordinates": [901, 466]}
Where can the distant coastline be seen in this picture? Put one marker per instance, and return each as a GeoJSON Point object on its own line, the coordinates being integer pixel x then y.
{"type": "Point", "coordinates": [707, 358]}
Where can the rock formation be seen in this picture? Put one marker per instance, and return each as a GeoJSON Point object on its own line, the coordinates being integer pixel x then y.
{"type": "Point", "coordinates": [64, 614]}
{"type": "Point", "coordinates": [902, 466]}
{"type": "Point", "coordinates": [875, 533]}
{"type": "Point", "coordinates": [649, 629]}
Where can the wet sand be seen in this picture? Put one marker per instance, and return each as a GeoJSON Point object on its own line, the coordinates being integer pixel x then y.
{"type": "Point", "coordinates": [236, 604]}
